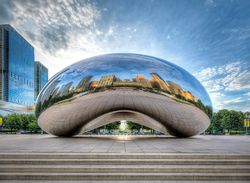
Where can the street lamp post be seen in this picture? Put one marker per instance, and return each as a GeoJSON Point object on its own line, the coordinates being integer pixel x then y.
{"type": "Point", "coordinates": [247, 123]}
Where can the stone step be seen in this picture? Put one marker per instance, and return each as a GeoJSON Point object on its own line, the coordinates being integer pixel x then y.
{"type": "Point", "coordinates": [121, 156]}
{"type": "Point", "coordinates": [127, 161]}
{"type": "Point", "coordinates": [122, 181]}
{"type": "Point", "coordinates": [125, 168]}
{"type": "Point", "coordinates": [124, 176]}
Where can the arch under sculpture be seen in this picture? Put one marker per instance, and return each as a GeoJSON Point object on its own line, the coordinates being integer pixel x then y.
{"type": "Point", "coordinates": [107, 88]}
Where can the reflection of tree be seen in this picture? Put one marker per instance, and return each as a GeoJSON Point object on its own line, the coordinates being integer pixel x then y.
{"type": "Point", "coordinates": [64, 92]}
{"type": "Point", "coordinates": [207, 109]}
{"type": "Point", "coordinates": [49, 102]}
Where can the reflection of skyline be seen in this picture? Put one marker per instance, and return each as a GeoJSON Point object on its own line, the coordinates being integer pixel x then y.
{"type": "Point", "coordinates": [156, 83]}
{"type": "Point", "coordinates": [129, 66]}
{"type": "Point", "coordinates": [112, 71]}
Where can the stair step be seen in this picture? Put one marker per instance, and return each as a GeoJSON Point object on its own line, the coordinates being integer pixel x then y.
{"type": "Point", "coordinates": [125, 169]}
{"type": "Point", "coordinates": [123, 181]}
{"type": "Point", "coordinates": [120, 156]}
{"type": "Point", "coordinates": [126, 161]}
{"type": "Point", "coordinates": [124, 176]}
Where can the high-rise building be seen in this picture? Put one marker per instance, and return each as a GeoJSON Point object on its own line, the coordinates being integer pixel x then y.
{"type": "Point", "coordinates": [158, 82]}
{"type": "Point", "coordinates": [65, 89]}
{"type": "Point", "coordinates": [175, 89]}
{"type": "Point", "coordinates": [188, 95]}
{"type": "Point", "coordinates": [41, 77]}
{"type": "Point", "coordinates": [83, 84]}
{"type": "Point", "coordinates": [16, 67]}
{"type": "Point", "coordinates": [106, 81]}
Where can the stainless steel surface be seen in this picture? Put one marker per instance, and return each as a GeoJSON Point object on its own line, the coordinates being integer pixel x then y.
{"type": "Point", "coordinates": [108, 88]}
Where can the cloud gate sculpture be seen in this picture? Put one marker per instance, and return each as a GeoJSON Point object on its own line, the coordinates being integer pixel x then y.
{"type": "Point", "coordinates": [113, 87]}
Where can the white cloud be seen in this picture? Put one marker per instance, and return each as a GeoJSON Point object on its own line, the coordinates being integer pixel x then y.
{"type": "Point", "coordinates": [220, 80]}
{"type": "Point", "coordinates": [53, 16]}
{"type": "Point", "coordinates": [230, 77]}
{"type": "Point", "coordinates": [242, 81]}
{"type": "Point", "coordinates": [210, 3]}
{"type": "Point", "coordinates": [217, 97]}
{"type": "Point", "coordinates": [234, 101]}
{"type": "Point", "coordinates": [64, 30]}
{"type": "Point", "coordinates": [222, 101]}
{"type": "Point", "coordinates": [238, 103]}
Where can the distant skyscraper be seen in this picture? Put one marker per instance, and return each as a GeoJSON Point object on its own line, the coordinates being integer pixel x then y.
{"type": "Point", "coordinates": [84, 83]}
{"type": "Point", "coordinates": [16, 67]}
{"type": "Point", "coordinates": [175, 89]}
{"type": "Point", "coordinates": [41, 77]}
{"type": "Point", "coordinates": [65, 89]}
{"type": "Point", "coordinates": [106, 81]}
{"type": "Point", "coordinates": [158, 82]}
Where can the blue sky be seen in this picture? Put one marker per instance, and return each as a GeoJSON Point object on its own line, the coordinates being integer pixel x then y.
{"type": "Point", "coordinates": [208, 38]}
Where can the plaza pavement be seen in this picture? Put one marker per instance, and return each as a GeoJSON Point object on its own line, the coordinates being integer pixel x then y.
{"type": "Point", "coordinates": [109, 159]}
{"type": "Point", "coordinates": [125, 144]}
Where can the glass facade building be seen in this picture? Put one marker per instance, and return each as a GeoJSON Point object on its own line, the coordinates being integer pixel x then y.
{"type": "Point", "coordinates": [16, 67]}
{"type": "Point", "coordinates": [41, 77]}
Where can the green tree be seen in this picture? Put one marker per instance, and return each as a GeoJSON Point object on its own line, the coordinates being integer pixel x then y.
{"type": "Point", "coordinates": [24, 121]}
{"type": "Point", "coordinates": [16, 122]}
{"type": "Point", "coordinates": [32, 123]}
{"type": "Point", "coordinates": [133, 126]}
{"type": "Point", "coordinates": [12, 121]}
{"type": "Point", "coordinates": [246, 114]}
{"type": "Point", "coordinates": [215, 126]}
{"type": "Point", "coordinates": [33, 126]}
{"type": "Point", "coordinates": [232, 120]}
{"type": "Point", "coordinates": [112, 126]}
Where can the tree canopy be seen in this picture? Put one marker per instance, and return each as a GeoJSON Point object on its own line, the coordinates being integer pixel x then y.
{"type": "Point", "coordinates": [226, 121]}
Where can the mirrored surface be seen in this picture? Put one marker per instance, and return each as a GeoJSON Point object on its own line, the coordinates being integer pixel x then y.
{"type": "Point", "coordinates": [137, 76]}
